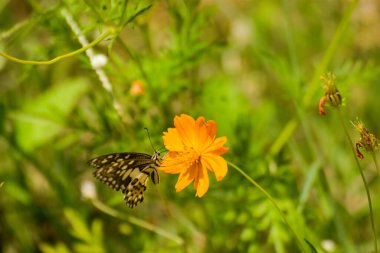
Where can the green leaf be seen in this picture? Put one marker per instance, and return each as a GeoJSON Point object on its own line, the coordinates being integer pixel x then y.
{"type": "Point", "coordinates": [43, 118]}
{"type": "Point", "coordinates": [138, 13]}
{"type": "Point", "coordinates": [59, 248]}
{"type": "Point", "coordinates": [91, 240]}
{"type": "Point", "coordinates": [79, 227]}
{"type": "Point", "coordinates": [97, 232]}
{"type": "Point", "coordinates": [17, 192]}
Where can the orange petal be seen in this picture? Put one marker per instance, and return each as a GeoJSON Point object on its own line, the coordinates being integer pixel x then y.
{"type": "Point", "coordinates": [197, 170]}
{"type": "Point", "coordinates": [211, 128]}
{"type": "Point", "coordinates": [173, 164]}
{"type": "Point", "coordinates": [184, 179]}
{"type": "Point", "coordinates": [219, 151]}
{"type": "Point", "coordinates": [200, 122]}
{"type": "Point", "coordinates": [203, 138]}
{"type": "Point", "coordinates": [173, 169]}
{"type": "Point", "coordinates": [172, 140]}
{"type": "Point", "coordinates": [217, 146]}
{"type": "Point", "coordinates": [216, 164]}
{"type": "Point", "coordinates": [202, 182]}
{"type": "Point", "coordinates": [185, 126]}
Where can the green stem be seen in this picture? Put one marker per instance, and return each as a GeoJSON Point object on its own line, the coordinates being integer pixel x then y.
{"type": "Point", "coordinates": [363, 178]}
{"type": "Point", "coordinates": [136, 221]}
{"type": "Point", "coordinates": [376, 164]}
{"type": "Point", "coordinates": [301, 245]}
{"type": "Point", "coordinates": [99, 39]}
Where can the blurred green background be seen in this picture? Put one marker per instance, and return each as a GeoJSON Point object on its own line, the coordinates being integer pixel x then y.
{"type": "Point", "coordinates": [252, 66]}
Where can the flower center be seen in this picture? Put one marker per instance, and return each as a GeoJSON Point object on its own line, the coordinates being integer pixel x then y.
{"type": "Point", "coordinates": [190, 156]}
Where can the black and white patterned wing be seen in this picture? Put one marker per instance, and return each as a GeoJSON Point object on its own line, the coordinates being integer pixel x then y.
{"type": "Point", "coordinates": [128, 172]}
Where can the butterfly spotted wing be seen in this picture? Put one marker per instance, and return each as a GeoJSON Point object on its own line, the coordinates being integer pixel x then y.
{"type": "Point", "coordinates": [128, 172]}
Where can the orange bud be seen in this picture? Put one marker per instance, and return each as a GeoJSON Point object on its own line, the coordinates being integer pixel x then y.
{"type": "Point", "coordinates": [137, 88]}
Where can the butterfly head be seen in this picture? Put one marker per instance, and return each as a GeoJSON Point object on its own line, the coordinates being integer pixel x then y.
{"type": "Point", "coordinates": [156, 157]}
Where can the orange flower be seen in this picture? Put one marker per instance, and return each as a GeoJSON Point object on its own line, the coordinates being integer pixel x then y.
{"type": "Point", "coordinates": [193, 149]}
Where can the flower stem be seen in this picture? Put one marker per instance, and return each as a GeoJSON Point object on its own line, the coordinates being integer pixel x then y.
{"type": "Point", "coordinates": [301, 245]}
{"type": "Point", "coordinates": [93, 43]}
{"type": "Point", "coordinates": [375, 161]}
{"type": "Point", "coordinates": [363, 178]}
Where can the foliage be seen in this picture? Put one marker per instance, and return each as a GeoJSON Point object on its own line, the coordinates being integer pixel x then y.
{"type": "Point", "coordinates": [252, 66]}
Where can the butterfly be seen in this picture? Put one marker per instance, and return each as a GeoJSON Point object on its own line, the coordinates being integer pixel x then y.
{"type": "Point", "coordinates": [128, 172]}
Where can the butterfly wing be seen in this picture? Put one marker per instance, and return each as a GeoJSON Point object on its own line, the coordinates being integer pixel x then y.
{"type": "Point", "coordinates": [127, 172]}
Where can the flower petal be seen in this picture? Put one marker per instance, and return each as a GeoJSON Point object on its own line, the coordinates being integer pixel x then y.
{"type": "Point", "coordinates": [173, 169]}
{"type": "Point", "coordinates": [197, 170]}
{"type": "Point", "coordinates": [172, 140]}
{"type": "Point", "coordinates": [200, 122]}
{"type": "Point", "coordinates": [184, 179]}
{"type": "Point", "coordinates": [216, 164]}
{"type": "Point", "coordinates": [211, 128]}
{"type": "Point", "coordinates": [202, 182]}
{"type": "Point", "coordinates": [173, 164]}
{"type": "Point", "coordinates": [219, 151]}
{"type": "Point", "coordinates": [203, 138]}
{"type": "Point", "coordinates": [185, 126]}
{"type": "Point", "coordinates": [217, 146]}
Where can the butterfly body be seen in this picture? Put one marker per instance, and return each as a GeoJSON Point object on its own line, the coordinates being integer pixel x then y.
{"type": "Point", "coordinates": [128, 172]}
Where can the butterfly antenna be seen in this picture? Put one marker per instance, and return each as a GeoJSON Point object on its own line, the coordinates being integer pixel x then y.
{"type": "Point", "coordinates": [162, 149]}
{"type": "Point", "coordinates": [147, 131]}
